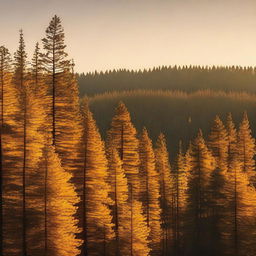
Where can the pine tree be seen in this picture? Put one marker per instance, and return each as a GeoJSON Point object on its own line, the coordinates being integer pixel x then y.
{"type": "Point", "coordinates": [122, 136]}
{"type": "Point", "coordinates": [138, 232]}
{"type": "Point", "coordinates": [218, 143]}
{"type": "Point", "coordinates": [217, 203]}
{"type": "Point", "coordinates": [32, 121]}
{"type": "Point", "coordinates": [60, 198]}
{"type": "Point", "coordinates": [37, 76]}
{"type": "Point", "coordinates": [166, 192]}
{"type": "Point", "coordinates": [5, 61]}
{"type": "Point", "coordinates": [21, 83]}
{"type": "Point", "coordinates": [232, 139]}
{"type": "Point", "coordinates": [240, 218]}
{"type": "Point", "coordinates": [10, 157]}
{"type": "Point", "coordinates": [55, 61]}
{"type": "Point", "coordinates": [180, 187]}
{"type": "Point", "coordinates": [150, 192]}
{"type": "Point", "coordinates": [64, 109]}
{"type": "Point", "coordinates": [202, 166]}
{"type": "Point", "coordinates": [246, 147]}
{"type": "Point", "coordinates": [96, 220]}
{"type": "Point", "coordinates": [120, 211]}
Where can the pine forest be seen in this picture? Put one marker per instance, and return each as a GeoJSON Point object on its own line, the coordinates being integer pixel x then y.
{"type": "Point", "coordinates": [69, 187]}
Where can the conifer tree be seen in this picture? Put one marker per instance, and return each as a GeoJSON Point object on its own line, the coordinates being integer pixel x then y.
{"type": "Point", "coordinates": [55, 61]}
{"type": "Point", "coordinates": [246, 147]}
{"type": "Point", "coordinates": [166, 195]}
{"type": "Point", "coordinates": [240, 218]}
{"type": "Point", "coordinates": [37, 76]}
{"type": "Point", "coordinates": [150, 191]}
{"type": "Point", "coordinates": [122, 136]}
{"type": "Point", "coordinates": [96, 219]}
{"type": "Point", "coordinates": [60, 198]}
{"type": "Point", "coordinates": [202, 166]}
{"type": "Point", "coordinates": [10, 157]}
{"type": "Point", "coordinates": [217, 202]}
{"type": "Point", "coordinates": [64, 109]}
{"type": "Point", "coordinates": [20, 80]}
{"type": "Point", "coordinates": [232, 139]}
{"type": "Point", "coordinates": [138, 232]}
{"type": "Point", "coordinates": [5, 61]}
{"type": "Point", "coordinates": [188, 158]}
{"type": "Point", "coordinates": [180, 187]}
{"type": "Point", "coordinates": [32, 120]}
{"type": "Point", "coordinates": [218, 143]}
{"type": "Point", "coordinates": [120, 210]}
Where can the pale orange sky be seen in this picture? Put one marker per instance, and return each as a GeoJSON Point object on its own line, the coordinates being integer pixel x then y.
{"type": "Point", "coordinates": [133, 34]}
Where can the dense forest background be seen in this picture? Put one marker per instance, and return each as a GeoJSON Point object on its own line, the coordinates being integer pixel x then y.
{"type": "Point", "coordinates": [186, 78]}
{"type": "Point", "coordinates": [174, 100]}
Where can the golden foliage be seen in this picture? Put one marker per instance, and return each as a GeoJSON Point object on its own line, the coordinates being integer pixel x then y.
{"type": "Point", "coordinates": [150, 191]}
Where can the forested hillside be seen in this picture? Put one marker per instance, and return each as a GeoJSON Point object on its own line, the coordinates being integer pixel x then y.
{"type": "Point", "coordinates": [186, 78]}
{"type": "Point", "coordinates": [177, 114]}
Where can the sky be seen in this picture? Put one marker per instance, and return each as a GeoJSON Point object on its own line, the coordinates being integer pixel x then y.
{"type": "Point", "coordinates": [138, 34]}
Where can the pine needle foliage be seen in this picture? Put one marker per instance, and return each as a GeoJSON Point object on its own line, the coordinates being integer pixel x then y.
{"type": "Point", "coordinates": [150, 191]}
{"type": "Point", "coordinates": [96, 216]}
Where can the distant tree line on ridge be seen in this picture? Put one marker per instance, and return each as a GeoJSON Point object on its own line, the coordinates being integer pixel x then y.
{"type": "Point", "coordinates": [184, 78]}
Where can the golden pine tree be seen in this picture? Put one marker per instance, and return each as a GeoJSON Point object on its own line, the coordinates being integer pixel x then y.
{"type": "Point", "coordinates": [202, 166]}
{"type": "Point", "coordinates": [122, 136]}
{"type": "Point", "coordinates": [138, 231]}
{"type": "Point", "coordinates": [180, 187]}
{"type": "Point", "coordinates": [37, 78]}
{"type": "Point", "coordinates": [218, 143]}
{"type": "Point", "coordinates": [60, 198]}
{"type": "Point", "coordinates": [166, 192]}
{"type": "Point", "coordinates": [232, 139]}
{"type": "Point", "coordinates": [20, 80]}
{"type": "Point", "coordinates": [150, 192]}
{"type": "Point", "coordinates": [32, 138]}
{"type": "Point", "coordinates": [5, 61]}
{"type": "Point", "coordinates": [217, 203]}
{"type": "Point", "coordinates": [10, 157]}
{"type": "Point", "coordinates": [239, 228]}
{"type": "Point", "coordinates": [96, 217]}
{"type": "Point", "coordinates": [64, 107]}
{"type": "Point", "coordinates": [120, 211]}
{"type": "Point", "coordinates": [246, 147]}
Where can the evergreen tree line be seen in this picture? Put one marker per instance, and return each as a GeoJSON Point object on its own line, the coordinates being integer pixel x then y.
{"type": "Point", "coordinates": [177, 114]}
{"type": "Point", "coordinates": [185, 78]}
{"type": "Point", "coordinates": [64, 191]}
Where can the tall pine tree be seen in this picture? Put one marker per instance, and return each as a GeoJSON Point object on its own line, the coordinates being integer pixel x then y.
{"type": "Point", "coordinates": [122, 136]}
{"type": "Point", "coordinates": [96, 218]}
{"type": "Point", "coordinates": [202, 166]}
{"type": "Point", "coordinates": [20, 79]}
{"type": "Point", "coordinates": [246, 147]}
{"type": "Point", "coordinates": [64, 109]}
{"type": "Point", "coordinates": [150, 191]}
{"type": "Point", "coordinates": [166, 193]}
{"type": "Point", "coordinates": [60, 200]}
{"type": "Point", "coordinates": [180, 187]}
{"type": "Point", "coordinates": [239, 225]}
{"type": "Point", "coordinates": [119, 194]}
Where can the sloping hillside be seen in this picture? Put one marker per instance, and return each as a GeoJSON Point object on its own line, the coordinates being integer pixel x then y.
{"type": "Point", "coordinates": [178, 114]}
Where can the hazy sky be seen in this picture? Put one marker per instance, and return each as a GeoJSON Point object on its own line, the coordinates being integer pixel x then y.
{"type": "Point", "coordinates": [107, 34]}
